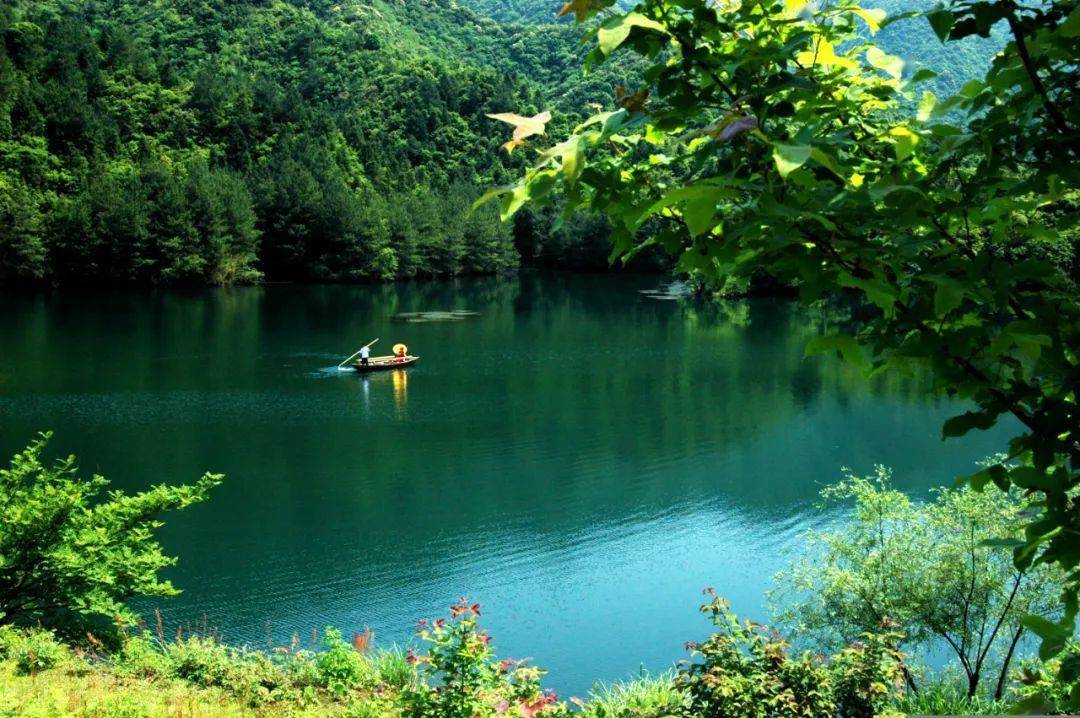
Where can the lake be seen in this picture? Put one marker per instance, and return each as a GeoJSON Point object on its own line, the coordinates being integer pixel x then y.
{"type": "Point", "coordinates": [581, 456]}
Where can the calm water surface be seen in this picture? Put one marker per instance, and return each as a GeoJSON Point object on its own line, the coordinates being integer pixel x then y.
{"type": "Point", "coordinates": [579, 457]}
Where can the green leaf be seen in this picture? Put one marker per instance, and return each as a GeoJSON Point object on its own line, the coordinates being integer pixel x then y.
{"type": "Point", "coordinates": [890, 64]}
{"type": "Point", "coordinates": [1053, 635]}
{"type": "Point", "coordinates": [513, 200]}
{"type": "Point", "coordinates": [698, 214]}
{"type": "Point", "coordinates": [789, 158]}
{"type": "Point", "coordinates": [962, 424]}
{"type": "Point", "coordinates": [844, 345]}
{"type": "Point", "coordinates": [871, 17]}
{"type": "Point", "coordinates": [615, 31]}
{"type": "Point", "coordinates": [948, 295]}
{"type": "Point", "coordinates": [572, 160]}
{"type": "Point", "coordinates": [926, 106]}
{"type": "Point", "coordinates": [828, 162]}
{"type": "Point", "coordinates": [490, 195]}
{"type": "Point", "coordinates": [941, 21]}
{"type": "Point", "coordinates": [904, 141]}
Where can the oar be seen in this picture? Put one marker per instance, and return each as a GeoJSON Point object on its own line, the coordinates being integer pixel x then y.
{"type": "Point", "coordinates": [342, 364]}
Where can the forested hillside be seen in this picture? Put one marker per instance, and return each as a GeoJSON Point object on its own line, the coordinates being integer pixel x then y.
{"type": "Point", "coordinates": [911, 39]}
{"type": "Point", "coordinates": [215, 141]}
{"type": "Point", "coordinates": [195, 141]}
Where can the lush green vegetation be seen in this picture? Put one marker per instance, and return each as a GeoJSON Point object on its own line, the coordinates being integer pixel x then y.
{"type": "Point", "coordinates": [68, 555]}
{"type": "Point", "coordinates": [194, 142]}
{"type": "Point", "coordinates": [183, 141]}
{"type": "Point", "coordinates": [925, 566]}
{"type": "Point", "coordinates": [775, 137]}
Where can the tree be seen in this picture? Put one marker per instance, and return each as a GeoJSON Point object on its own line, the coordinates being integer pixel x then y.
{"type": "Point", "coordinates": [68, 555]}
{"type": "Point", "coordinates": [926, 567]}
{"type": "Point", "coordinates": [746, 669]}
{"type": "Point", "coordinates": [774, 136]}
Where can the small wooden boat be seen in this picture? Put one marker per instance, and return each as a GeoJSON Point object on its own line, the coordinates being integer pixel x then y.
{"type": "Point", "coordinates": [384, 363]}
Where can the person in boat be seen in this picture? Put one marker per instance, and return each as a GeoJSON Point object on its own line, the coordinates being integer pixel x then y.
{"type": "Point", "coordinates": [365, 354]}
{"type": "Point", "coordinates": [399, 355]}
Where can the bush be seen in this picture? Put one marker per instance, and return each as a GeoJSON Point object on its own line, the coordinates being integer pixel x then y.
{"type": "Point", "coordinates": [464, 679]}
{"type": "Point", "coordinates": [32, 651]}
{"type": "Point", "coordinates": [141, 657]}
{"type": "Point", "coordinates": [1053, 686]}
{"type": "Point", "coordinates": [745, 670]}
{"type": "Point", "coordinates": [248, 674]}
{"type": "Point", "coordinates": [341, 666]}
{"type": "Point", "coordinates": [67, 554]}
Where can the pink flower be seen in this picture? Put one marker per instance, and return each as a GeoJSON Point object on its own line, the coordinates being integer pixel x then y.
{"type": "Point", "coordinates": [502, 707]}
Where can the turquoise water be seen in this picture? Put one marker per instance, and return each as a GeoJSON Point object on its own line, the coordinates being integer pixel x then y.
{"type": "Point", "coordinates": [580, 457]}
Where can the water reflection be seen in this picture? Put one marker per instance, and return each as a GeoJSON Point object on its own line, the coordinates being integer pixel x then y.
{"type": "Point", "coordinates": [401, 391]}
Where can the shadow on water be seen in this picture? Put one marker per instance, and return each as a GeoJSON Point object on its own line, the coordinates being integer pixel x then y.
{"type": "Point", "coordinates": [578, 456]}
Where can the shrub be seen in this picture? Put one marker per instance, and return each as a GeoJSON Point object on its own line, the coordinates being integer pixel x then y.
{"type": "Point", "coordinates": [1053, 686]}
{"type": "Point", "coordinates": [250, 675]}
{"type": "Point", "coordinates": [464, 679]}
{"type": "Point", "coordinates": [141, 657]}
{"type": "Point", "coordinates": [68, 555]}
{"type": "Point", "coordinates": [745, 670]}
{"type": "Point", "coordinates": [341, 666]}
{"type": "Point", "coordinates": [32, 650]}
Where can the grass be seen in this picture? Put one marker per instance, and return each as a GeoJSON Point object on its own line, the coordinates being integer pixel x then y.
{"type": "Point", "coordinates": [644, 697]}
{"type": "Point", "coordinates": [949, 698]}
{"type": "Point", "coordinates": [78, 689]}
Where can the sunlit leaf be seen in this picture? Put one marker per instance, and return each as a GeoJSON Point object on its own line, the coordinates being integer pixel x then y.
{"type": "Point", "coordinates": [789, 158]}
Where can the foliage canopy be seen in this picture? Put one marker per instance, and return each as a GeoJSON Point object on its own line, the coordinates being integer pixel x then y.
{"type": "Point", "coordinates": [773, 135]}
{"type": "Point", "coordinates": [70, 556]}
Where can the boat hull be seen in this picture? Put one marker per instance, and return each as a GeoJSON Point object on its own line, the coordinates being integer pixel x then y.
{"type": "Point", "coordinates": [385, 364]}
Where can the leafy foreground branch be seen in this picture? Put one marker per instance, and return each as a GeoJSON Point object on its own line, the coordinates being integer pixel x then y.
{"type": "Point", "coordinates": [772, 136]}
{"type": "Point", "coordinates": [69, 556]}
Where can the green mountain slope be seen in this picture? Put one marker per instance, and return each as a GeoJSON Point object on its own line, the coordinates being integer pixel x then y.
{"type": "Point", "coordinates": [220, 140]}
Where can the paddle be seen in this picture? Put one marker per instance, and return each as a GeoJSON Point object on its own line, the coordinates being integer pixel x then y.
{"type": "Point", "coordinates": [342, 364]}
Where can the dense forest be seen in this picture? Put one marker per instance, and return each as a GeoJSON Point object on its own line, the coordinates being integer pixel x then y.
{"type": "Point", "coordinates": [217, 141]}
{"type": "Point", "coordinates": [196, 141]}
